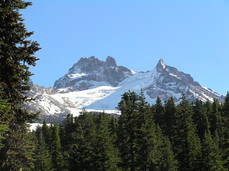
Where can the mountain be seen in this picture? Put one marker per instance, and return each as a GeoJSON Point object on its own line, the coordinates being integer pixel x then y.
{"type": "Point", "coordinates": [91, 72]}
{"type": "Point", "coordinates": [96, 85]}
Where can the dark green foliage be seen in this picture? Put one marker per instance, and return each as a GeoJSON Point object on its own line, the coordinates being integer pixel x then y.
{"type": "Point", "coordinates": [159, 114]}
{"type": "Point", "coordinates": [225, 131]}
{"type": "Point", "coordinates": [200, 119]}
{"type": "Point", "coordinates": [16, 52]}
{"type": "Point", "coordinates": [170, 118]}
{"type": "Point", "coordinates": [184, 139]}
{"type": "Point", "coordinates": [4, 119]}
{"type": "Point", "coordinates": [166, 159]}
{"type": "Point", "coordinates": [16, 56]}
{"type": "Point", "coordinates": [88, 143]}
{"type": "Point", "coordinates": [55, 148]}
{"type": "Point", "coordinates": [20, 148]}
{"type": "Point", "coordinates": [42, 156]}
{"type": "Point", "coordinates": [139, 144]}
{"type": "Point", "coordinates": [211, 159]}
{"type": "Point", "coordinates": [216, 119]}
{"type": "Point", "coordinates": [107, 155]}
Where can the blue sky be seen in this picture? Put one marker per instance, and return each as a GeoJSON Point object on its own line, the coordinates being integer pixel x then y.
{"type": "Point", "coordinates": [191, 35]}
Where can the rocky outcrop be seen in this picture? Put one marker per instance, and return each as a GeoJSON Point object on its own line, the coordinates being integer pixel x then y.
{"type": "Point", "coordinates": [91, 72]}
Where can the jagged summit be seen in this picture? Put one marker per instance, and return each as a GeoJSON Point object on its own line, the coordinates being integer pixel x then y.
{"type": "Point", "coordinates": [161, 65]}
{"type": "Point", "coordinates": [110, 61]}
{"type": "Point", "coordinates": [92, 72]}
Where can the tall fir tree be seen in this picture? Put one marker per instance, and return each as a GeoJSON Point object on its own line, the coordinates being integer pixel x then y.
{"type": "Point", "coordinates": [55, 150]}
{"type": "Point", "coordinates": [106, 153]}
{"type": "Point", "coordinates": [211, 158]}
{"type": "Point", "coordinates": [225, 131]}
{"type": "Point", "coordinates": [216, 121]}
{"type": "Point", "coordinates": [16, 56]}
{"type": "Point", "coordinates": [185, 141]}
{"type": "Point", "coordinates": [46, 133]}
{"type": "Point", "coordinates": [82, 152]}
{"type": "Point", "coordinates": [166, 158]}
{"type": "Point", "coordinates": [42, 156]}
{"type": "Point", "coordinates": [138, 142]}
{"type": "Point", "coordinates": [170, 118]}
{"type": "Point", "coordinates": [159, 114]}
{"type": "Point", "coordinates": [200, 118]}
{"type": "Point", "coordinates": [4, 119]}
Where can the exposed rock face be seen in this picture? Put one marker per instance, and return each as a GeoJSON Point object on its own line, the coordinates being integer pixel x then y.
{"type": "Point", "coordinates": [94, 84]}
{"type": "Point", "coordinates": [171, 82]}
{"type": "Point", "coordinates": [91, 72]}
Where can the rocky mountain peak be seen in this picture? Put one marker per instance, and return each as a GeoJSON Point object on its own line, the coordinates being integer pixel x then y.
{"type": "Point", "coordinates": [92, 72]}
{"type": "Point", "coordinates": [160, 65]}
{"type": "Point", "coordinates": [110, 61]}
{"type": "Point", "coordinates": [86, 65]}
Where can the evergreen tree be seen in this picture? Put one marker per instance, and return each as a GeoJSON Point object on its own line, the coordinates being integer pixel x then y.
{"type": "Point", "coordinates": [215, 118]}
{"type": "Point", "coordinates": [4, 119]}
{"type": "Point", "coordinates": [225, 131]}
{"type": "Point", "coordinates": [46, 133]}
{"type": "Point", "coordinates": [166, 159]}
{"type": "Point", "coordinates": [211, 159]}
{"type": "Point", "coordinates": [113, 127]}
{"type": "Point", "coordinates": [42, 156]}
{"type": "Point", "coordinates": [185, 141]}
{"type": "Point", "coordinates": [16, 55]}
{"type": "Point", "coordinates": [106, 153]}
{"type": "Point", "coordinates": [82, 154]}
{"type": "Point", "coordinates": [200, 119]}
{"type": "Point", "coordinates": [137, 137]}
{"type": "Point", "coordinates": [57, 157]}
{"type": "Point", "coordinates": [159, 114]}
{"type": "Point", "coordinates": [171, 119]}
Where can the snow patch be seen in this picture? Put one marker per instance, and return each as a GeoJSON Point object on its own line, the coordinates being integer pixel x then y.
{"type": "Point", "coordinates": [78, 75]}
{"type": "Point", "coordinates": [174, 75]}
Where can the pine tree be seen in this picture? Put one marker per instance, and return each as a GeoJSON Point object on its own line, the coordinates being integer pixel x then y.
{"type": "Point", "coordinates": [185, 141]}
{"type": "Point", "coordinates": [82, 155]}
{"type": "Point", "coordinates": [159, 114]}
{"type": "Point", "coordinates": [166, 159]}
{"type": "Point", "coordinates": [106, 153]}
{"type": "Point", "coordinates": [127, 130]}
{"type": "Point", "coordinates": [225, 131]}
{"type": "Point", "coordinates": [200, 119]}
{"type": "Point", "coordinates": [211, 158]}
{"type": "Point", "coordinates": [42, 156]}
{"type": "Point", "coordinates": [170, 118]}
{"type": "Point", "coordinates": [46, 133]}
{"type": "Point", "coordinates": [56, 153]}
{"type": "Point", "coordinates": [136, 134]}
{"type": "Point", "coordinates": [215, 118]}
{"type": "Point", "coordinates": [4, 119]}
{"type": "Point", "coordinates": [113, 127]}
{"type": "Point", "coordinates": [16, 55]}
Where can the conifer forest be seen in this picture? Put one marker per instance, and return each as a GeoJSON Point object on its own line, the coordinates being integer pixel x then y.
{"type": "Point", "coordinates": [165, 136]}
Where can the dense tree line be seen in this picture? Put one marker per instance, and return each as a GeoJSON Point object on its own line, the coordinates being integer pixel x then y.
{"type": "Point", "coordinates": [164, 136]}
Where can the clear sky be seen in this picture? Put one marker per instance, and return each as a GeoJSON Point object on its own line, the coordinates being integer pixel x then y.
{"type": "Point", "coordinates": [191, 35]}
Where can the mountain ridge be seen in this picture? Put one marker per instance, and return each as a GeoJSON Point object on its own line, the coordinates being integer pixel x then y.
{"type": "Point", "coordinates": [98, 85]}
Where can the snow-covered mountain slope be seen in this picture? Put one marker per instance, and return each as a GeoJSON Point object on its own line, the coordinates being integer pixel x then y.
{"type": "Point", "coordinates": [163, 81]}
{"type": "Point", "coordinates": [95, 85]}
{"type": "Point", "coordinates": [60, 102]}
